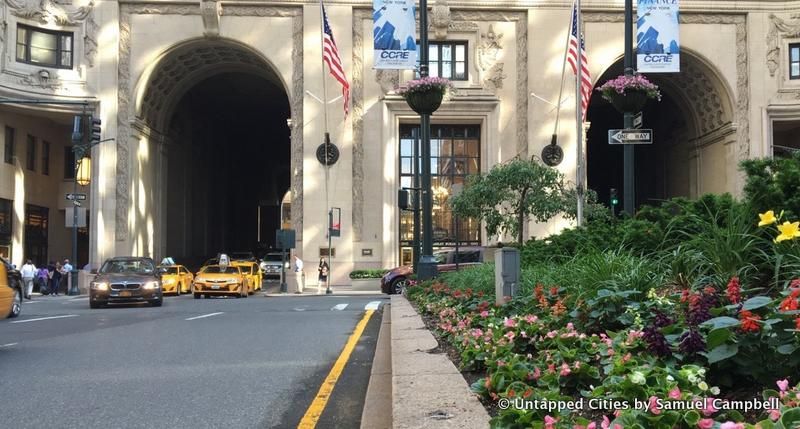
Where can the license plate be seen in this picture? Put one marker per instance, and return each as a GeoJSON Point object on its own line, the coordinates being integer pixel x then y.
{"type": "Point", "coordinates": [125, 293]}
{"type": "Point", "coordinates": [215, 287]}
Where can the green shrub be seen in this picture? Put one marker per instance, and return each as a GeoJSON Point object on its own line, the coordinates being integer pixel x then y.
{"type": "Point", "coordinates": [772, 184]}
{"type": "Point", "coordinates": [369, 274]}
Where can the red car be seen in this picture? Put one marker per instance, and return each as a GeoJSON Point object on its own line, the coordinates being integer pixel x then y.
{"type": "Point", "coordinates": [395, 280]}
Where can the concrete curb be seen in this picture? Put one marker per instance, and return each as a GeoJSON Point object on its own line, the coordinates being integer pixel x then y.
{"type": "Point", "coordinates": [378, 400]}
{"type": "Point", "coordinates": [428, 391]}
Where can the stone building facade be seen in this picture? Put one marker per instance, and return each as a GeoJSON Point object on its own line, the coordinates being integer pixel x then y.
{"type": "Point", "coordinates": [215, 110]}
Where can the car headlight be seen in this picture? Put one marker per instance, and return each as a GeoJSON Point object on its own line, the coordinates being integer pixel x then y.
{"type": "Point", "coordinates": [99, 285]}
{"type": "Point", "coordinates": [150, 285]}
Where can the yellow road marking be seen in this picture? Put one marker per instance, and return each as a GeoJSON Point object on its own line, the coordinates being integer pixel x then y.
{"type": "Point", "coordinates": [314, 411]}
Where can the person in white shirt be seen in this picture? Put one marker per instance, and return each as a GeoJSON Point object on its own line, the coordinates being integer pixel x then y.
{"type": "Point", "coordinates": [298, 264]}
{"type": "Point", "coordinates": [66, 269]}
{"type": "Point", "coordinates": [28, 272]}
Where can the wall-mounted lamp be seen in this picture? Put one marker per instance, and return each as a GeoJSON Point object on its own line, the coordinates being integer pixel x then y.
{"type": "Point", "coordinates": [84, 173]}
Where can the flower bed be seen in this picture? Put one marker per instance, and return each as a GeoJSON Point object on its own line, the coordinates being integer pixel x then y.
{"type": "Point", "coordinates": [534, 350]}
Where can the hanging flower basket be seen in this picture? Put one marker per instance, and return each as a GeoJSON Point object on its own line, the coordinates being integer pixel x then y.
{"type": "Point", "coordinates": [629, 94]}
{"type": "Point", "coordinates": [425, 95]}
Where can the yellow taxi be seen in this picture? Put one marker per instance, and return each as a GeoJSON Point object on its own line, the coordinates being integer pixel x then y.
{"type": "Point", "coordinates": [221, 280]}
{"type": "Point", "coordinates": [251, 270]}
{"type": "Point", "coordinates": [175, 279]}
{"type": "Point", "coordinates": [10, 291]}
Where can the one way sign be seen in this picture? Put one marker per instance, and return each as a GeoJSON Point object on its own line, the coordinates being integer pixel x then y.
{"type": "Point", "coordinates": [630, 136]}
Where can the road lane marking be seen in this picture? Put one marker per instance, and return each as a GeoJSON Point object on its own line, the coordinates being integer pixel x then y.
{"type": "Point", "coordinates": [205, 315]}
{"type": "Point", "coordinates": [339, 307]}
{"type": "Point", "coordinates": [317, 406]}
{"type": "Point", "coordinates": [45, 318]}
{"type": "Point", "coordinates": [374, 305]}
{"type": "Point", "coordinates": [9, 345]}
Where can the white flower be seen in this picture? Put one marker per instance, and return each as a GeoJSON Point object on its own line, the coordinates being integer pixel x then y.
{"type": "Point", "coordinates": [693, 378]}
{"type": "Point", "coordinates": [638, 378]}
{"type": "Point", "coordinates": [715, 390]}
{"type": "Point", "coordinates": [670, 378]}
{"type": "Point", "coordinates": [703, 386]}
{"type": "Point", "coordinates": [702, 372]}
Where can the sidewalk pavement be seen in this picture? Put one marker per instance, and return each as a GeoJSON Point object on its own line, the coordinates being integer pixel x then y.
{"type": "Point", "coordinates": [274, 290]}
{"type": "Point", "coordinates": [428, 391]}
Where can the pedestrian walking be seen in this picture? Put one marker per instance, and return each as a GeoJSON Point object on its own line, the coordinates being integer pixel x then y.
{"type": "Point", "coordinates": [28, 272]}
{"type": "Point", "coordinates": [51, 272]}
{"type": "Point", "coordinates": [298, 264]}
{"type": "Point", "coordinates": [66, 271]}
{"type": "Point", "coordinates": [41, 280]}
{"type": "Point", "coordinates": [323, 271]}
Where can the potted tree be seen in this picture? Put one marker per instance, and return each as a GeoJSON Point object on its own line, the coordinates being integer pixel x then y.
{"type": "Point", "coordinates": [629, 93]}
{"type": "Point", "coordinates": [425, 95]}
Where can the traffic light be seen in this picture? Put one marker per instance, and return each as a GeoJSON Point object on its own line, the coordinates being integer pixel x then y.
{"type": "Point", "coordinates": [614, 198]}
{"type": "Point", "coordinates": [95, 130]}
{"type": "Point", "coordinates": [77, 129]}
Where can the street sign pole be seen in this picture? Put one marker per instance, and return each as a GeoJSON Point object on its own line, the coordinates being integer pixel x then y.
{"type": "Point", "coordinates": [628, 151]}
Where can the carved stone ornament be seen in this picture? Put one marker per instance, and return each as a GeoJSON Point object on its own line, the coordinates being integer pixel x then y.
{"type": "Point", "coordinates": [387, 79]}
{"type": "Point", "coordinates": [779, 28]}
{"type": "Point", "coordinates": [210, 11]}
{"type": "Point", "coordinates": [41, 79]}
{"type": "Point", "coordinates": [440, 19]}
{"type": "Point", "coordinates": [49, 11]}
{"type": "Point", "coordinates": [488, 52]}
{"type": "Point", "coordinates": [90, 40]}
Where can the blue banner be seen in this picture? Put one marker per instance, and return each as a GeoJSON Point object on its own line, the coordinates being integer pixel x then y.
{"type": "Point", "coordinates": [394, 32]}
{"type": "Point", "coordinates": [658, 36]}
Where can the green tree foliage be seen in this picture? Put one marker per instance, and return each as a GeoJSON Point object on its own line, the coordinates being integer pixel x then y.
{"type": "Point", "coordinates": [511, 193]}
{"type": "Point", "coordinates": [772, 184]}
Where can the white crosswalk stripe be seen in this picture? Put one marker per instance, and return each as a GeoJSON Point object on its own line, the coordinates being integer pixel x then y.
{"type": "Point", "coordinates": [374, 305]}
{"type": "Point", "coordinates": [339, 307]}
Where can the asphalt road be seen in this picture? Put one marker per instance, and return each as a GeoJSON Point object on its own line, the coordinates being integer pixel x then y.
{"type": "Point", "coordinates": [209, 363]}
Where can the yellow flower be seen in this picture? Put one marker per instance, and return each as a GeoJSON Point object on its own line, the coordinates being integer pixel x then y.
{"type": "Point", "coordinates": [788, 231]}
{"type": "Point", "coordinates": [767, 218]}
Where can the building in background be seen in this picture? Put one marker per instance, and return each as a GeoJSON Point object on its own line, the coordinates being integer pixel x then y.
{"type": "Point", "coordinates": [197, 97]}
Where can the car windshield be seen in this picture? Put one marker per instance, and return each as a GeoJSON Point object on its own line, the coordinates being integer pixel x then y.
{"type": "Point", "coordinates": [245, 270]}
{"type": "Point", "coordinates": [133, 266]}
{"type": "Point", "coordinates": [441, 257]}
{"type": "Point", "coordinates": [216, 269]}
{"type": "Point", "coordinates": [273, 257]}
{"type": "Point", "coordinates": [168, 270]}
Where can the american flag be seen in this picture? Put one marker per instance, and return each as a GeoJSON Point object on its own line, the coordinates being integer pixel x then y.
{"type": "Point", "coordinates": [572, 58]}
{"type": "Point", "coordinates": [330, 55]}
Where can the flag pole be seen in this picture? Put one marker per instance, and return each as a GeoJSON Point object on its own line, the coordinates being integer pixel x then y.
{"type": "Point", "coordinates": [554, 138]}
{"type": "Point", "coordinates": [579, 114]}
{"type": "Point", "coordinates": [327, 141]}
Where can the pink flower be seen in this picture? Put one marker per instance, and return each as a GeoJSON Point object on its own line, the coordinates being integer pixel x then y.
{"type": "Point", "coordinates": [709, 408]}
{"type": "Point", "coordinates": [549, 422]}
{"type": "Point", "coordinates": [606, 423]}
{"type": "Point", "coordinates": [626, 358]}
{"type": "Point", "coordinates": [523, 334]}
{"type": "Point", "coordinates": [552, 334]}
{"type": "Point", "coordinates": [551, 368]}
{"type": "Point", "coordinates": [577, 365]}
{"type": "Point", "coordinates": [617, 413]}
{"type": "Point", "coordinates": [510, 323]}
{"type": "Point", "coordinates": [570, 326]}
{"type": "Point", "coordinates": [537, 373]}
{"type": "Point", "coordinates": [510, 335]}
{"type": "Point", "coordinates": [783, 384]}
{"type": "Point", "coordinates": [675, 393]}
{"type": "Point", "coordinates": [592, 425]}
{"type": "Point", "coordinates": [705, 424]}
{"type": "Point", "coordinates": [731, 425]}
{"type": "Point", "coordinates": [477, 333]}
{"type": "Point", "coordinates": [565, 371]}
{"type": "Point", "coordinates": [774, 415]}
{"type": "Point", "coordinates": [531, 318]}
{"type": "Point", "coordinates": [485, 314]}
{"type": "Point", "coordinates": [654, 406]}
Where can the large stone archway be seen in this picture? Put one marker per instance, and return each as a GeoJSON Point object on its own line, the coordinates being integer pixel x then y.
{"type": "Point", "coordinates": [696, 146]}
{"type": "Point", "coordinates": [161, 137]}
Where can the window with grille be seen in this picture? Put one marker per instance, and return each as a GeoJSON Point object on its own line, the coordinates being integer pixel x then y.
{"type": "Point", "coordinates": [447, 59]}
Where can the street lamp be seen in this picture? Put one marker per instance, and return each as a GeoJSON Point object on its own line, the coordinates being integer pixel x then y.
{"type": "Point", "coordinates": [83, 176]}
{"type": "Point", "coordinates": [426, 268]}
{"type": "Point", "coordinates": [627, 152]}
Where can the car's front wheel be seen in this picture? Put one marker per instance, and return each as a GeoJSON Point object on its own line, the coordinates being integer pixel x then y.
{"type": "Point", "coordinates": [178, 289]}
{"type": "Point", "coordinates": [16, 305]}
{"type": "Point", "coordinates": [399, 285]}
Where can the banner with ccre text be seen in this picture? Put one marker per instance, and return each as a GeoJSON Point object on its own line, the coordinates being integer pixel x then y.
{"type": "Point", "coordinates": [658, 36]}
{"type": "Point", "coordinates": [394, 32]}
